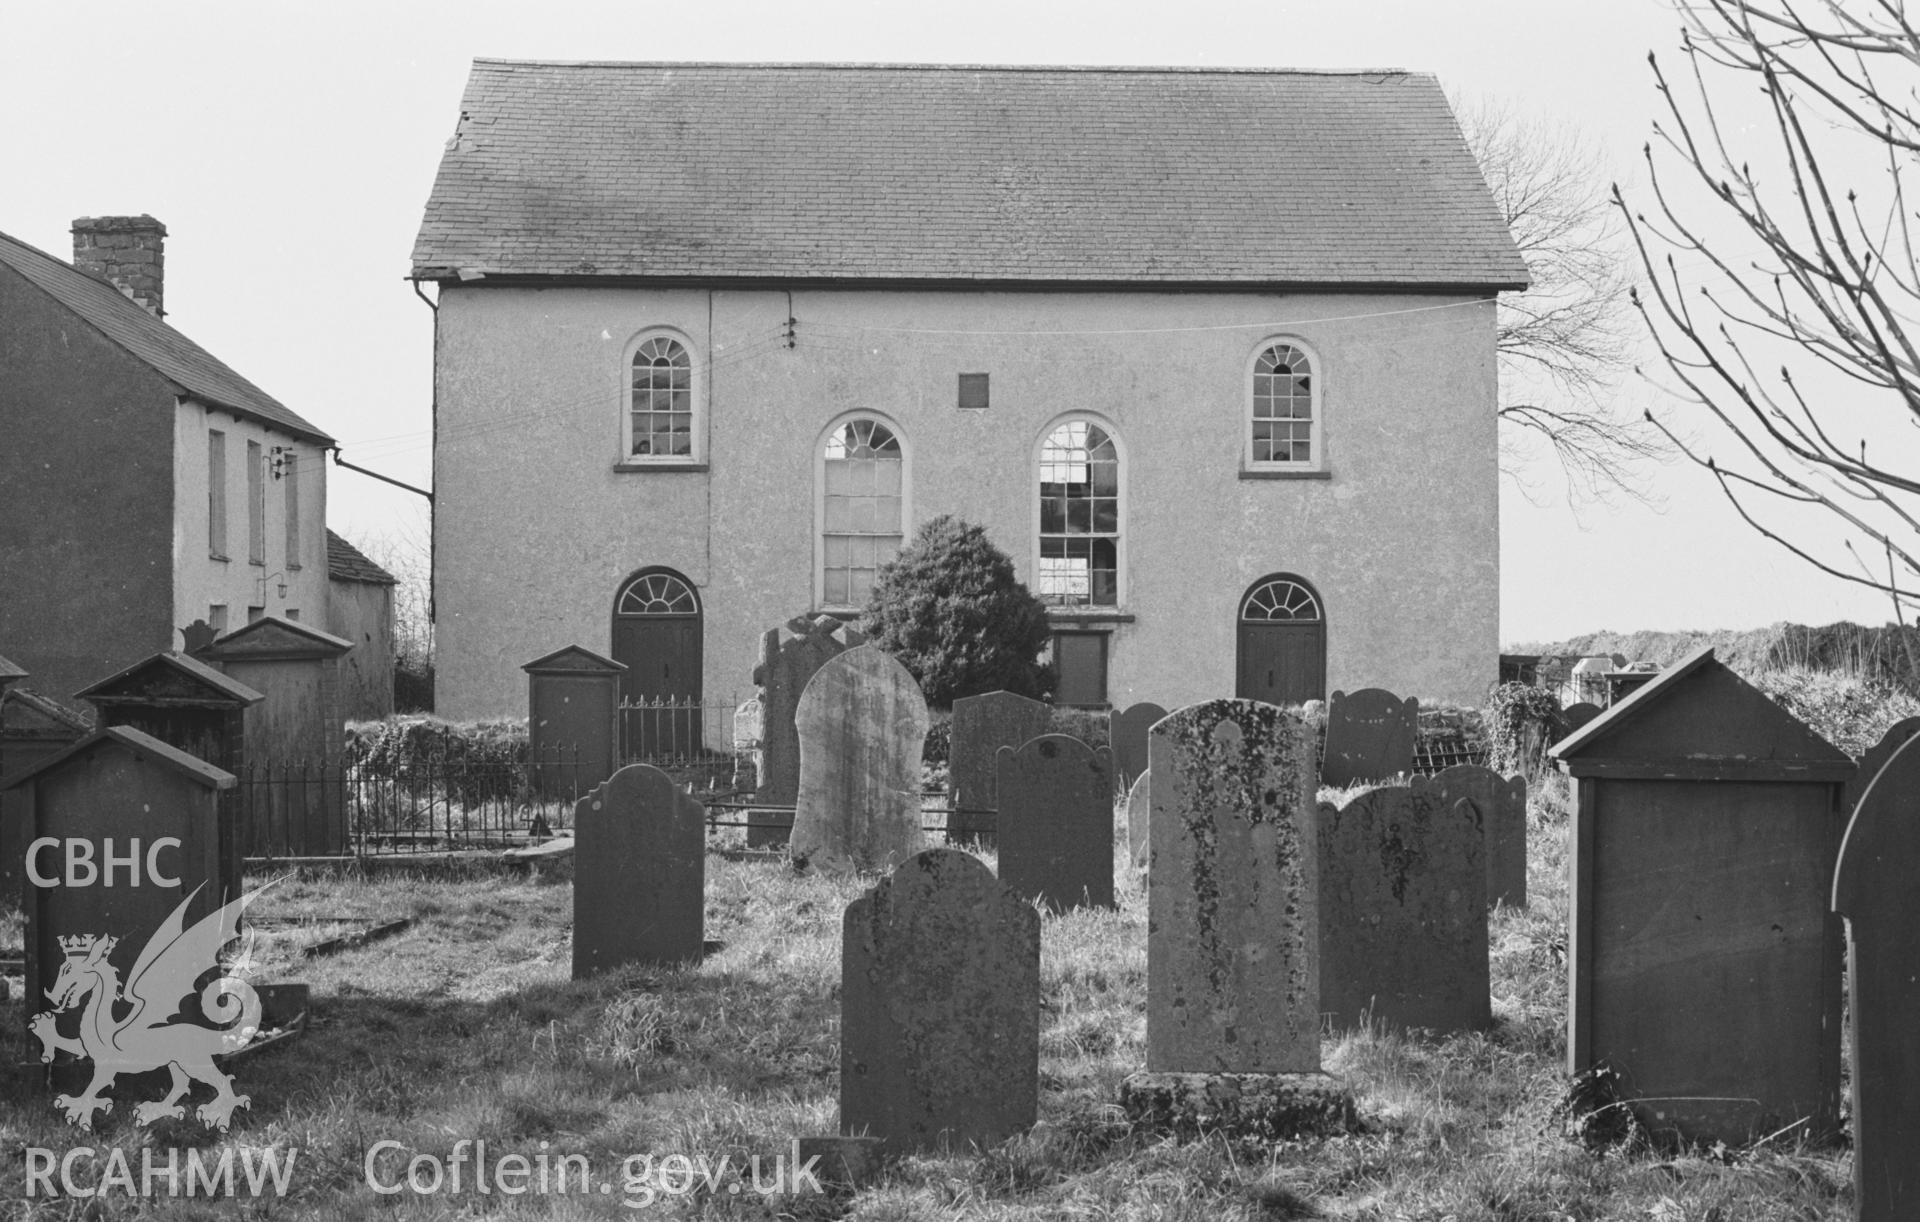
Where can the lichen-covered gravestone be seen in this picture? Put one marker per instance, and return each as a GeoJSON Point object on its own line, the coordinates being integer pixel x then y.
{"type": "Point", "coordinates": [1502, 802]}
{"type": "Point", "coordinates": [1127, 738]}
{"type": "Point", "coordinates": [1370, 736]}
{"type": "Point", "coordinates": [939, 1007]}
{"type": "Point", "coordinates": [1403, 912]}
{"type": "Point", "coordinates": [981, 726]}
{"type": "Point", "coordinates": [789, 656]}
{"type": "Point", "coordinates": [862, 724]}
{"type": "Point", "coordinates": [639, 873]}
{"type": "Point", "coordinates": [1140, 817]}
{"type": "Point", "coordinates": [1874, 888]}
{"type": "Point", "coordinates": [1233, 920]}
{"type": "Point", "coordinates": [1056, 822]}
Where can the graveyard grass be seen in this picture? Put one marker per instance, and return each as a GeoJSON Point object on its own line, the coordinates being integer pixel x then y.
{"type": "Point", "coordinates": [467, 1026]}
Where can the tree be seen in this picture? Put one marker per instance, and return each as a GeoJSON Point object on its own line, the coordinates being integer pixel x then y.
{"type": "Point", "coordinates": [1781, 232]}
{"type": "Point", "coordinates": [950, 608]}
{"type": "Point", "coordinates": [402, 551]}
{"type": "Point", "coordinates": [1563, 344]}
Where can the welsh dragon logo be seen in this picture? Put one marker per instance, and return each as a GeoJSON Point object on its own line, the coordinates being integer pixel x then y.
{"type": "Point", "coordinates": [140, 1027]}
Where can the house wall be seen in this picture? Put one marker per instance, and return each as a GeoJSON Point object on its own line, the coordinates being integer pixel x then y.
{"type": "Point", "coordinates": [536, 530]}
{"type": "Point", "coordinates": [236, 581]}
{"type": "Point", "coordinates": [362, 612]}
{"type": "Point", "coordinates": [86, 497]}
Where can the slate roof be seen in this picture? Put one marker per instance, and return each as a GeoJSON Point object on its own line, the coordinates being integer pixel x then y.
{"type": "Point", "coordinates": [345, 562]}
{"type": "Point", "coordinates": [697, 172]}
{"type": "Point", "coordinates": [194, 372]}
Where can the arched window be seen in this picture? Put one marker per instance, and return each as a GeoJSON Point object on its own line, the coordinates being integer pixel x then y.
{"type": "Point", "coordinates": [660, 414]}
{"type": "Point", "coordinates": [1280, 598]}
{"type": "Point", "coordinates": [1079, 516]}
{"type": "Point", "coordinates": [862, 479]}
{"type": "Point", "coordinates": [1283, 416]}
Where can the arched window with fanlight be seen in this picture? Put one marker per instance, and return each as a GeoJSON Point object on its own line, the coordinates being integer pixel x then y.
{"type": "Point", "coordinates": [861, 477]}
{"type": "Point", "coordinates": [1080, 515]}
{"type": "Point", "coordinates": [1284, 414]}
{"type": "Point", "coordinates": [1282, 639]}
{"type": "Point", "coordinates": [660, 426]}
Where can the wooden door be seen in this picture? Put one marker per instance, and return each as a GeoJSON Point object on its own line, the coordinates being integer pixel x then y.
{"type": "Point", "coordinates": [1282, 647]}
{"type": "Point", "coordinates": [657, 637]}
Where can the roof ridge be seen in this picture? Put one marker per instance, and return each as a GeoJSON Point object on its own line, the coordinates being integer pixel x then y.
{"type": "Point", "coordinates": [910, 65]}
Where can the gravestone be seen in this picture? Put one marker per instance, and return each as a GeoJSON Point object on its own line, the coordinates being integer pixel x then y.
{"type": "Point", "coordinates": [789, 656]}
{"type": "Point", "coordinates": [1140, 818]}
{"type": "Point", "coordinates": [1403, 912]}
{"type": "Point", "coordinates": [1056, 823]}
{"type": "Point", "coordinates": [119, 829]}
{"type": "Point", "coordinates": [749, 729]}
{"type": "Point", "coordinates": [10, 674]}
{"type": "Point", "coordinates": [185, 703]}
{"type": "Point", "coordinates": [1579, 714]}
{"type": "Point", "coordinates": [1502, 803]}
{"type": "Point", "coordinates": [33, 727]}
{"type": "Point", "coordinates": [1704, 963]}
{"type": "Point", "coordinates": [1127, 737]}
{"type": "Point", "coordinates": [1370, 736]}
{"type": "Point", "coordinates": [573, 720]}
{"type": "Point", "coordinates": [982, 725]}
{"type": "Point", "coordinates": [1873, 759]}
{"type": "Point", "coordinates": [639, 873]}
{"type": "Point", "coordinates": [939, 1007]}
{"type": "Point", "coordinates": [862, 723]}
{"type": "Point", "coordinates": [1874, 888]}
{"type": "Point", "coordinates": [1233, 916]}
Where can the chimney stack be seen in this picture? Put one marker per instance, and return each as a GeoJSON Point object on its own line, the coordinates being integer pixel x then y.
{"type": "Point", "coordinates": [127, 252]}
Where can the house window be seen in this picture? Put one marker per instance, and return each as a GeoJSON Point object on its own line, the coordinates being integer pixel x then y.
{"type": "Point", "coordinates": [216, 494]}
{"type": "Point", "coordinates": [1079, 516]}
{"type": "Point", "coordinates": [290, 472]}
{"type": "Point", "coordinates": [863, 489]}
{"type": "Point", "coordinates": [660, 402]}
{"type": "Point", "coordinates": [973, 390]}
{"type": "Point", "coordinates": [1080, 659]}
{"type": "Point", "coordinates": [254, 613]}
{"type": "Point", "coordinates": [1283, 419]}
{"type": "Point", "coordinates": [217, 617]}
{"type": "Point", "coordinates": [256, 505]}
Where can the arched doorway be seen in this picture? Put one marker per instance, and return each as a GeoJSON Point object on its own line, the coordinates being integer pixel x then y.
{"type": "Point", "coordinates": [1282, 642]}
{"type": "Point", "coordinates": [657, 637]}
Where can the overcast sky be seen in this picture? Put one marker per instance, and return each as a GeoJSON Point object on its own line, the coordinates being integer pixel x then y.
{"type": "Point", "coordinates": [289, 150]}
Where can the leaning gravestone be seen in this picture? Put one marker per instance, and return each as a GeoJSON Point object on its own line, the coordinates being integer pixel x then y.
{"type": "Point", "coordinates": [939, 1007]}
{"type": "Point", "coordinates": [1127, 737]}
{"type": "Point", "coordinates": [1579, 714]}
{"type": "Point", "coordinates": [1056, 823]}
{"type": "Point", "coordinates": [1370, 736]}
{"type": "Point", "coordinates": [1502, 802]}
{"type": "Point", "coordinates": [981, 726]}
{"type": "Point", "coordinates": [639, 873]}
{"type": "Point", "coordinates": [1403, 912]}
{"type": "Point", "coordinates": [1874, 888]}
{"type": "Point", "coordinates": [1140, 817]}
{"type": "Point", "coordinates": [789, 656]}
{"type": "Point", "coordinates": [862, 724]}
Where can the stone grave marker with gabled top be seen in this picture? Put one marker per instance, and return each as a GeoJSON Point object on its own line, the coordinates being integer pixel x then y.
{"type": "Point", "coordinates": [1502, 803]}
{"type": "Point", "coordinates": [639, 873]}
{"type": "Point", "coordinates": [862, 724]}
{"type": "Point", "coordinates": [1704, 964]}
{"type": "Point", "coordinates": [1056, 823]}
{"type": "Point", "coordinates": [573, 719]}
{"type": "Point", "coordinates": [789, 657]}
{"type": "Point", "coordinates": [185, 703]}
{"type": "Point", "coordinates": [1874, 888]}
{"type": "Point", "coordinates": [982, 725]}
{"type": "Point", "coordinates": [1370, 737]}
{"type": "Point", "coordinates": [1127, 738]}
{"type": "Point", "coordinates": [939, 1008]}
{"type": "Point", "coordinates": [32, 728]}
{"type": "Point", "coordinates": [1403, 912]}
{"type": "Point", "coordinates": [10, 674]}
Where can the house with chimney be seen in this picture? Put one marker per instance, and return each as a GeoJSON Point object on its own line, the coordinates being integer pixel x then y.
{"type": "Point", "coordinates": [144, 484]}
{"type": "Point", "coordinates": [1208, 352]}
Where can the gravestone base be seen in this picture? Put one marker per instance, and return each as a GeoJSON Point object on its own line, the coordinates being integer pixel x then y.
{"type": "Point", "coordinates": [1265, 1107]}
{"type": "Point", "coordinates": [845, 1162]}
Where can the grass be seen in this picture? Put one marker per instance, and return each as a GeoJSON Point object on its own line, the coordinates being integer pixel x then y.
{"type": "Point", "coordinates": [467, 1025]}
